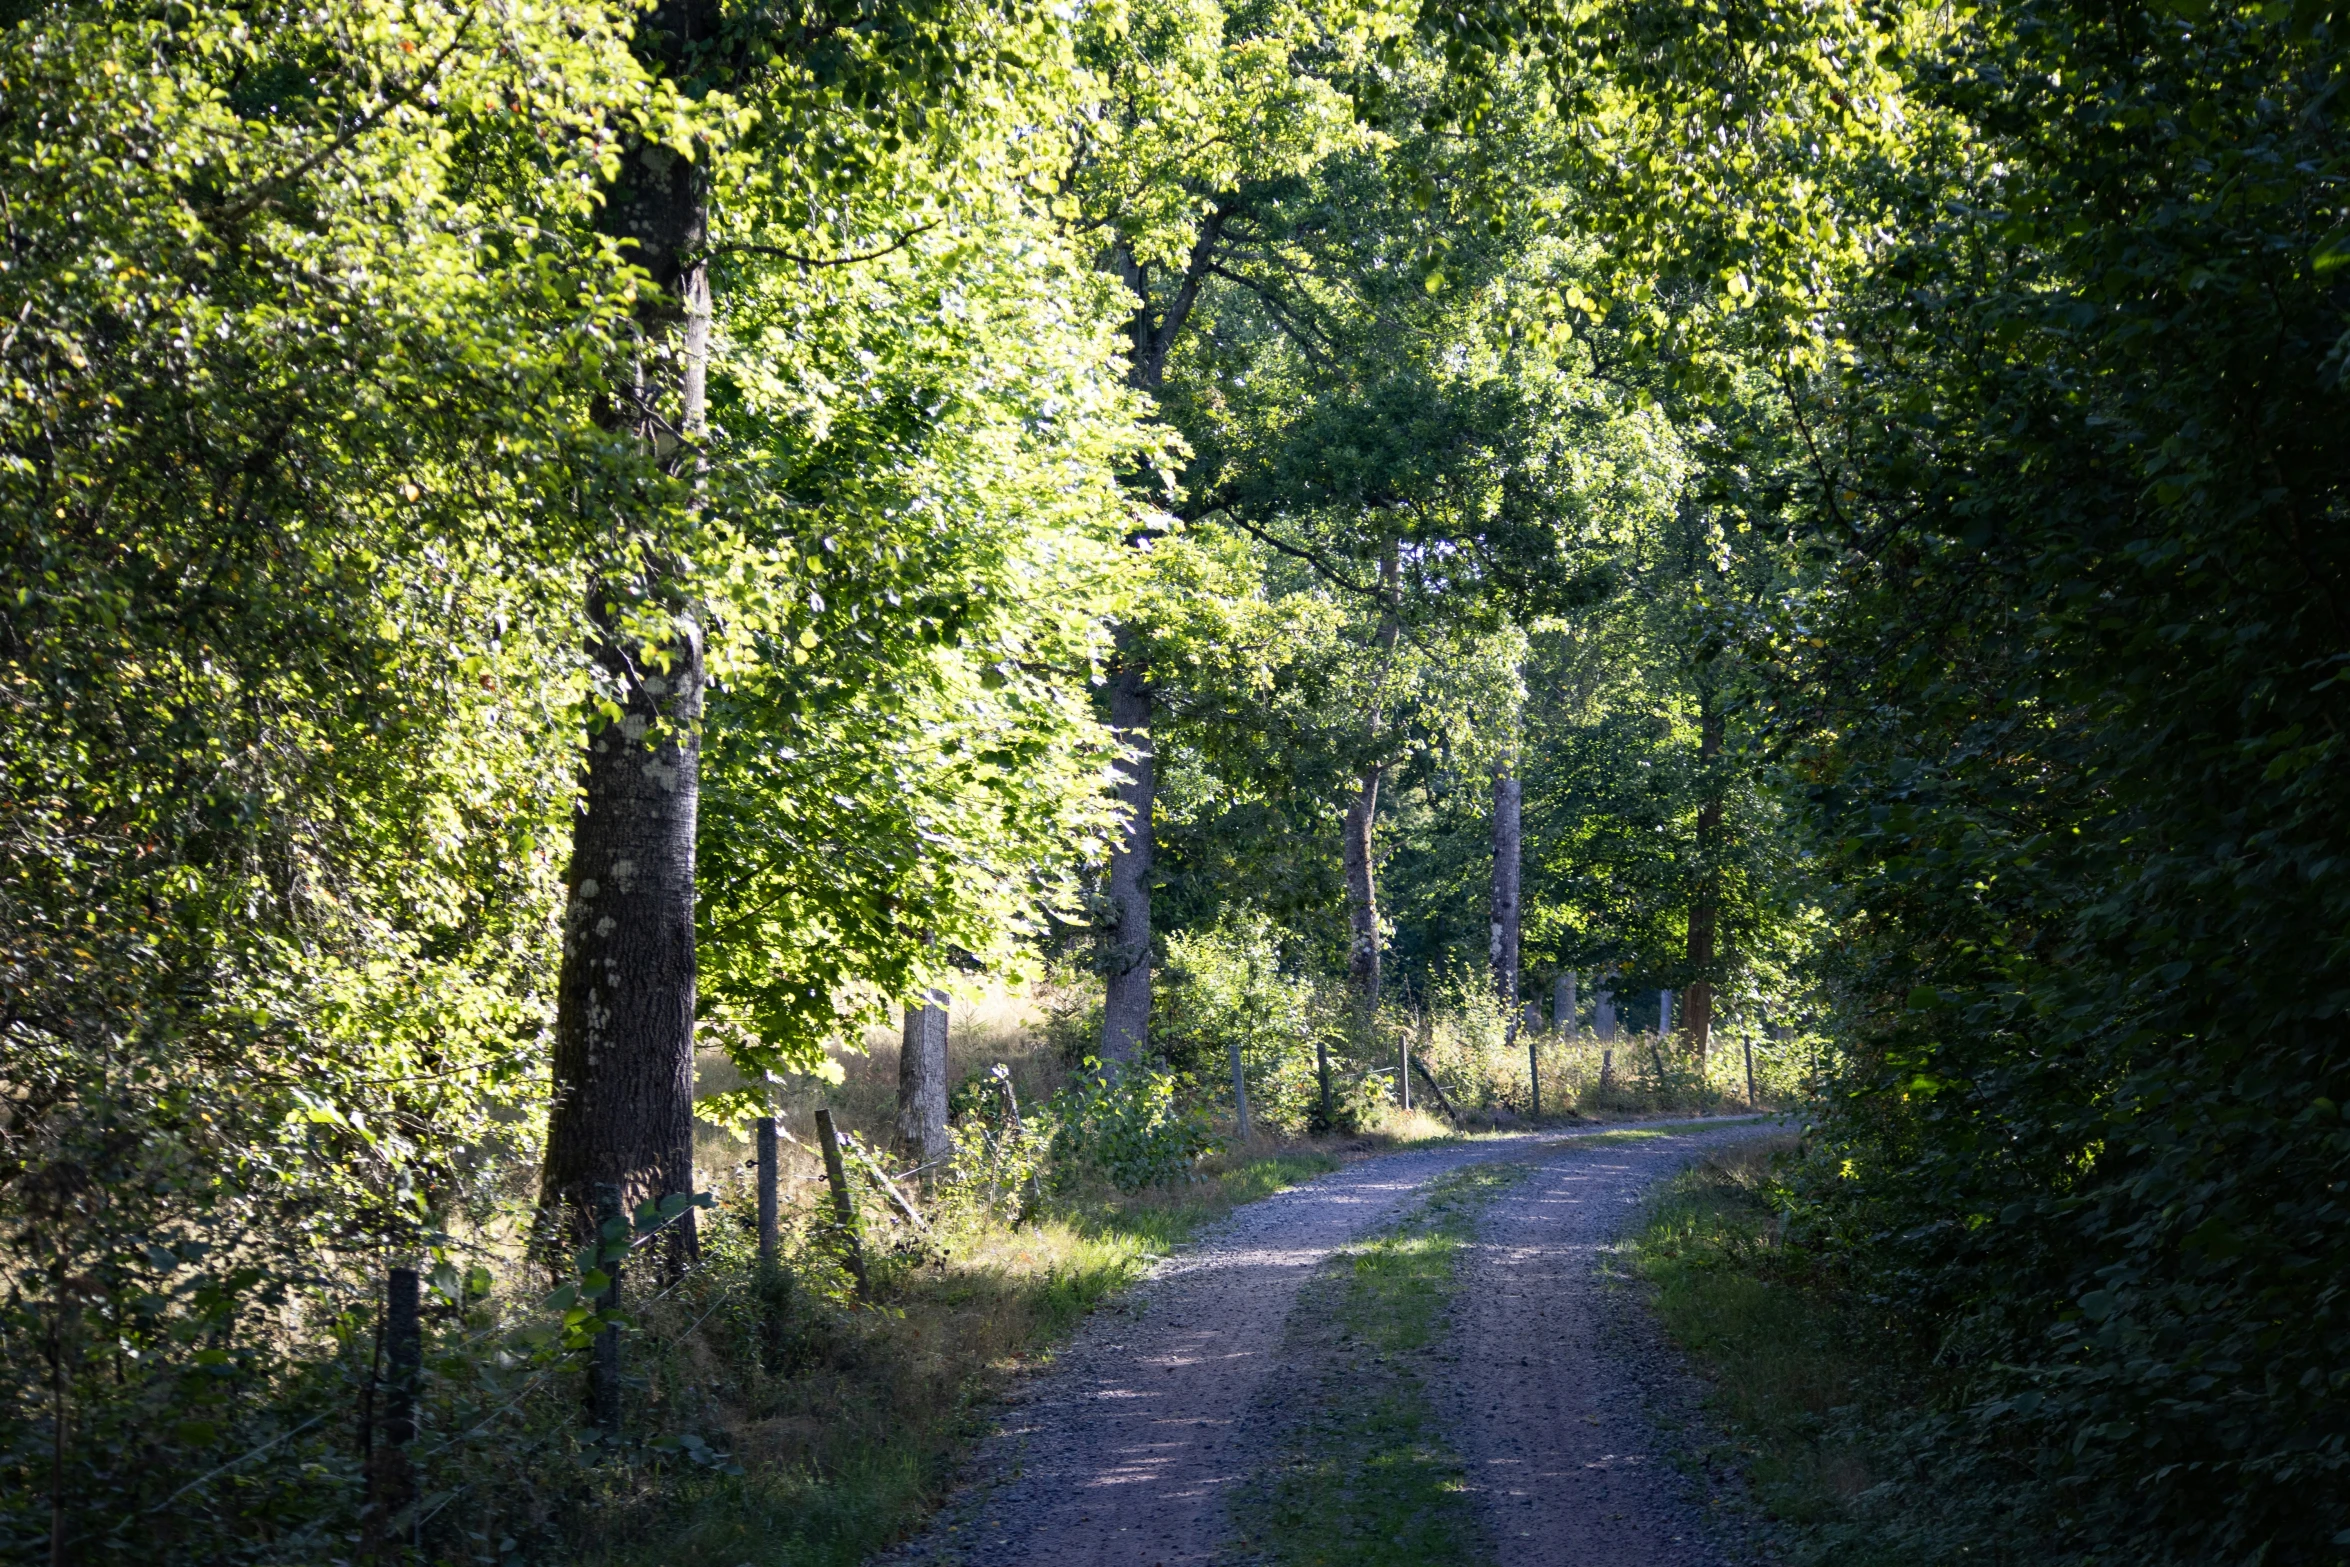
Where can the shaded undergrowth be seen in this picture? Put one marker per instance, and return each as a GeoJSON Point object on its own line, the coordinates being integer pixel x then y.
{"type": "Point", "coordinates": [1824, 1402]}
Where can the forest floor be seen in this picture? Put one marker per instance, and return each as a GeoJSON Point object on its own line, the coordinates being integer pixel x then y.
{"type": "Point", "coordinates": [1418, 1358]}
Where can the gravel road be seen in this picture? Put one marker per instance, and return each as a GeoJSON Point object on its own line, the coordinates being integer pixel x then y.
{"type": "Point", "coordinates": [1555, 1379]}
{"type": "Point", "coordinates": [1123, 1453]}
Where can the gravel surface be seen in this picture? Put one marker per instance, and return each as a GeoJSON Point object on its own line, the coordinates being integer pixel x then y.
{"type": "Point", "coordinates": [1124, 1451]}
{"type": "Point", "coordinates": [1561, 1392]}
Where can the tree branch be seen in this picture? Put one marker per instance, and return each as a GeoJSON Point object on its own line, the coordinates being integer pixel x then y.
{"type": "Point", "coordinates": [900, 243]}
{"type": "Point", "coordinates": [244, 206]}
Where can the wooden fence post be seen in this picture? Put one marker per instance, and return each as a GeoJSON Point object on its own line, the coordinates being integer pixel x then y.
{"type": "Point", "coordinates": [1533, 1078]}
{"type": "Point", "coordinates": [769, 1216]}
{"type": "Point", "coordinates": [888, 1188]}
{"type": "Point", "coordinates": [844, 1208]}
{"type": "Point", "coordinates": [1403, 1065]}
{"type": "Point", "coordinates": [1443, 1100]}
{"type": "Point", "coordinates": [1239, 1093]}
{"type": "Point", "coordinates": [770, 1235]}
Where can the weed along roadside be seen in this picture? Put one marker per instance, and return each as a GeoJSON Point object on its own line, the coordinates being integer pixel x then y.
{"type": "Point", "coordinates": [855, 1432]}
{"type": "Point", "coordinates": [1817, 1396]}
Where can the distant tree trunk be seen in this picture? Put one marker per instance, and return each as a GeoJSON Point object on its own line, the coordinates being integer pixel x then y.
{"type": "Point", "coordinates": [921, 1130]}
{"type": "Point", "coordinates": [1705, 915]}
{"type": "Point", "coordinates": [1502, 946]}
{"type": "Point", "coordinates": [1126, 963]}
{"type": "Point", "coordinates": [1362, 894]}
{"type": "Point", "coordinates": [622, 1112]}
{"type": "Point", "coordinates": [1562, 1003]}
{"type": "Point", "coordinates": [1358, 853]}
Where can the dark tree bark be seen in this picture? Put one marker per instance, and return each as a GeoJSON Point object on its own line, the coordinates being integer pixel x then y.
{"type": "Point", "coordinates": [1126, 954]}
{"type": "Point", "coordinates": [921, 1131]}
{"type": "Point", "coordinates": [1359, 852]}
{"type": "Point", "coordinates": [1126, 963]}
{"type": "Point", "coordinates": [624, 1018]}
{"type": "Point", "coordinates": [1705, 914]}
{"type": "Point", "coordinates": [624, 1027]}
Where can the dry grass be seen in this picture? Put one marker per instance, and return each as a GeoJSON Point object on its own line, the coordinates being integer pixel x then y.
{"type": "Point", "coordinates": [998, 1026]}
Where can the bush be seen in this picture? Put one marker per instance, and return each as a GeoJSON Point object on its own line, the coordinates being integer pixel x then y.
{"type": "Point", "coordinates": [1128, 1126]}
{"type": "Point", "coordinates": [1228, 987]}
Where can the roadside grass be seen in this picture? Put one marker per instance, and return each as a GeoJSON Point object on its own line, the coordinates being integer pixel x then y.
{"type": "Point", "coordinates": [1364, 1477]}
{"type": "Point", "coordinates": [1810, 1387]}
{"type": "Point", "coordinates": [858, 1438]}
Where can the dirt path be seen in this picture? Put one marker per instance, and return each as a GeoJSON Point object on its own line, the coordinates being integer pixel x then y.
{"type": "Point", "coordinates": [1554, 1378]}
{"type": "Point", "coordinates": [1124, 1453]}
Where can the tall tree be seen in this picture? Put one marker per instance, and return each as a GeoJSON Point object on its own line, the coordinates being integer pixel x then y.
{"type": "Point", "coordinates": [289, 666]}
{"type": "Point", "coordinates": [622, 1112]}
{"type": "Point", "coordinates": [1205, 106]}
{"type": "Point", "coordinates": [1508, 859]}
{"type": "Point", "coordinates": [1361, 849]}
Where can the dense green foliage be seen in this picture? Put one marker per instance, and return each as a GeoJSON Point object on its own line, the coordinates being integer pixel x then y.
{"type": "Point", "coordinates": [2080, 760]}
{"type": "Point", "coordinates": [1874, 476]}
{"type": "Point", "coordinates": [2059, 426]}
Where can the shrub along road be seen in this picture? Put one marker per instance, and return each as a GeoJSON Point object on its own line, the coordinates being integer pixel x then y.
{"type": "Point", "coordinates": [1181, 1407]}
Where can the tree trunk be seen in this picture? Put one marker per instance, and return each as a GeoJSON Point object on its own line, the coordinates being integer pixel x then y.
{"type": "Point", "coordinates": [622, 1112]}
{"type": "Point", "coordinates": [921, 1131]}
{"type": "Point", "coordinates": [1502, 949]}
{"type": "Point", "coordinates": [1562, 1004]}
{"type": "Point", "coordinates": [1362, 817]}
{"type": "Point", "coordinates": [1126, 963]}
{"type": "Point", "coordinates": [1362, 896]}
{"type": "Point", "coordinates": [624, 1011]}
{"type": "Point", "coordinates": [1705, 915]}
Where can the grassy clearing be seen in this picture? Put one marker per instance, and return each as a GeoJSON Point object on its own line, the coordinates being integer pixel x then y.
{"type": "Point", "coordinates": [1807, 1382]}
{"type": "Point", "coordinates": [1365, 1477]}
{"type": "Point", "coordinates": [858, 1439]}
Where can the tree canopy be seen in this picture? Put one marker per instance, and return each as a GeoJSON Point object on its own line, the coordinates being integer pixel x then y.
{"type": "Point", "coordinates": [1003, 478]}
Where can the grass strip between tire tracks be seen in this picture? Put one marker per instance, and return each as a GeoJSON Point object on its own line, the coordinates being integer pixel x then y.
{"type": "Point", "coordinates": [1363, 1475]}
